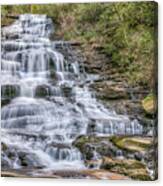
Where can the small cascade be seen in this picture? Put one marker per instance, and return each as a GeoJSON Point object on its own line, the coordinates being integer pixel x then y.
{"type": "Point", "coordinates": [51, 104]}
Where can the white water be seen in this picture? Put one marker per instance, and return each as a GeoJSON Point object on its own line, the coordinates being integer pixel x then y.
{"type": "Point", "coordinates": [44, 128]}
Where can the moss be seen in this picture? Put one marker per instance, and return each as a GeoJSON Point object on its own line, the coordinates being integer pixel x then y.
{"type": "Point", "coordinates": [3, 146]}
{"type": "Point", "coordinates": [10, 91]}
{"type": "Point", "coordinates": [142, 177]}
{"type": "Point", "coordinates": [6, 21]}
{"type": "Point", "coordinates": [149, 104]}
{"type": "Point", "coordinates": [132, 144]}
{"type": "Point", "coordinates": [127, 164]}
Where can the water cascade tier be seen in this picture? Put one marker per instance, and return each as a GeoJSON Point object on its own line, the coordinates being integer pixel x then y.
{"type": "Point", "coordinates": [49, 101]}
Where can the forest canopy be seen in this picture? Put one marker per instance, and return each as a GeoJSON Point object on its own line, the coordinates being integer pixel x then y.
{"type": "Point", "coordinates": [125, 32]}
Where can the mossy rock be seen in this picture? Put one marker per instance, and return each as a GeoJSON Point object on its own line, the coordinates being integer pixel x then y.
{"type": "Point", "coordinates": [82, 140]}
{"type": "Point", "coordinates": [90, 144]}
{"type": "Point", "coordinates": [83, 143]}
{"type": "Point", "coordinates": [3, 146]}
{"type": "Point", "coordinates": [149, 104]}
{"type": "Point", "coordinates": [10, 91]}
{"type": "Point", "coordinates": [5, 102]}
{"type": "Point", "coordinates": [42, 91]}
{"type": "Point", "coordinates": [110, 163]}
{"type": "Point", "coordinates": [128, 167]}
{"type": "Point", "coordinates": [139, 174]}
{"type": "Point", "coordinates": [53, 74]}
{"type": "Point", "coordinates": [132, 144]}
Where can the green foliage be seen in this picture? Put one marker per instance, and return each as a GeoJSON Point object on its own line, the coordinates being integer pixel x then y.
{"type": "Point", "coordinates": [124, 31]}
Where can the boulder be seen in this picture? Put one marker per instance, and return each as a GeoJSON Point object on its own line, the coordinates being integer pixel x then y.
{"type": "Point", "coordinates": [128, 167]}
{"type": "Point", "coordinates": [132, 144]}
{"type": "Point", "coordinates": [88, 145]}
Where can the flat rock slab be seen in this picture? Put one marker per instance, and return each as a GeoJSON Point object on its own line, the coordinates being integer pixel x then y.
{"type": "Point", "coordinates": [103, 174]}
{"type": "Point", "coordinates": [59, 174]}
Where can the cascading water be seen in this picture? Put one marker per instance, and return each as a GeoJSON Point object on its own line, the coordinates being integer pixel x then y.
{"type": "Point", "coordinates": [52, 103]}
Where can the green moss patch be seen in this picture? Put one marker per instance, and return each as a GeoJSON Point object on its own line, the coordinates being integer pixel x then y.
{"type": "Point", "coordinates": [149, 104]}
{"type": "Point", "coordinates": [132, 144]}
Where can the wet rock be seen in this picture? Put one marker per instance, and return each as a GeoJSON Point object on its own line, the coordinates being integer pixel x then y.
{"type": "Point", "coordinates": [91, 129]}
{"type": "Point", "coordinates": [93, 163]}
{"type": "Point", "coordinates": [29, 160]}
{"type": "Point", "coordinates": [21, 158]}
{"type": "Point", "coordinates": [11, 154]}
{"type": "Point", "coordinates": [67, 91]}
{"type": "Point", "coordinates": [42, 91]}
{"type": "Point", "coordinates": [5, 102]}
{"type": "Point", "coordinates": [132, 168]}
{"type": "Point", "coordinates": [3, 146]}
{"type": "Point", "coordinates": [134, 148]}
{"type": "Point", "coordinates": [53, 76]}
{"type": "Point", "coordinates": [4, 163]}
{"type": "Point", "coordinates": [84, 145]}
{"type": "Point", "coordinates": [90, 144]}
{"type": "Point", "coordinates": [9, 91]}
{"type": "Point", "coordinates": [148, 124]}
{"type": "Point", "coordinates": [145, 121]}
{"type": "Point", "coordinates": [151, 159]}
{"type": "Point", "coordinates": [59, 145]}
{"type": "Point", "coordinates": [138, 156]}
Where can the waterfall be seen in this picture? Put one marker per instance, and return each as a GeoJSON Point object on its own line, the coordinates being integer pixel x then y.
{"type": "Point", "coordinates": [51, 104]}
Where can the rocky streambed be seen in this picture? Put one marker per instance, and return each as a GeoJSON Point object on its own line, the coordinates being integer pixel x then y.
{"type": "Point", "coordinates": [117, 157]}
